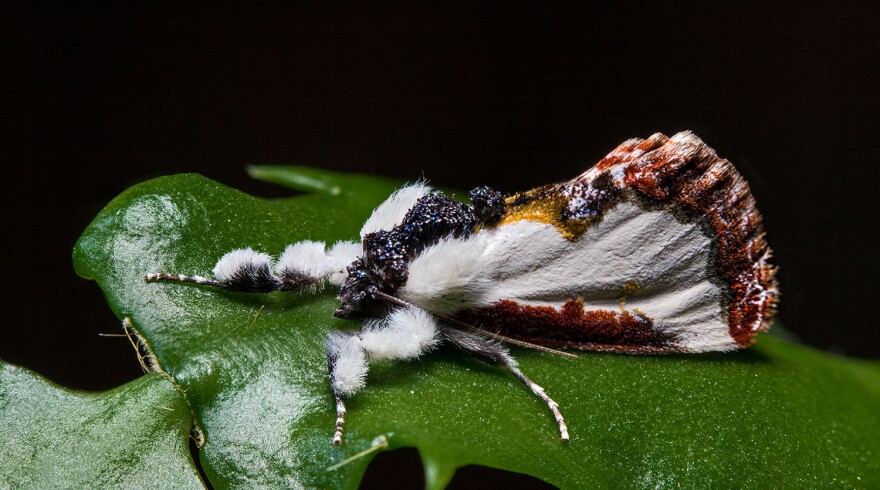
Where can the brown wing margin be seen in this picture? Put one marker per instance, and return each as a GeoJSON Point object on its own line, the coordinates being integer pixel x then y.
{"type": "Point", "coordinates": [683, 170]}
{"type": "Point", "coordinates": [573, 328]}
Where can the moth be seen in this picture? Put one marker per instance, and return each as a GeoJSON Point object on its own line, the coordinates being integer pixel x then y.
{"type": "Point", "coordinates": [657, 249]}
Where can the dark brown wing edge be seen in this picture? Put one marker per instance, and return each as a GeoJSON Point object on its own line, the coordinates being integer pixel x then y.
{"type": "Point", "coordinates": [685, 171]}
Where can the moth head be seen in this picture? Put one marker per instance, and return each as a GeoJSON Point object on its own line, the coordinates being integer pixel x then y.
{"type": "Point", "coordinates": [356, 300]}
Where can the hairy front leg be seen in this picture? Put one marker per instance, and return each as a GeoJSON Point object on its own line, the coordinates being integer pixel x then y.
{"type": "Point", "coordinates": [304, 266]}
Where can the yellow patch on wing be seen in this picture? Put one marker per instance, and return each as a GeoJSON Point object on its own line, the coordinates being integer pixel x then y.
{"type": "Point", "coordinates": [629, 287]}
{"type": "Point", "coordinates": [543, 205]}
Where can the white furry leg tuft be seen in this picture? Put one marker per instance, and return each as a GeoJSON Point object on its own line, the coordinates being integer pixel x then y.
{"type": "Point", "coordinates": [233, 263]}
{"type": "Point", "coordinates": [347, 364]}
{"type": "Point", "coordinates": [406, 333]}
{"type": "Point", "coordinates": [308, 260]}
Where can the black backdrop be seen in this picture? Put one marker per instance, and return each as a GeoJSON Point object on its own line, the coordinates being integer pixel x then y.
{"type": "Point", "coordinates": [512, 94]}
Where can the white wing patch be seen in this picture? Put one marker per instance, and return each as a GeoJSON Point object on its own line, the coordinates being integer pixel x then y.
{"type": "Point", "coordinates": [531, 263]}
{"type": "Point", "coordinates": [391, 212]}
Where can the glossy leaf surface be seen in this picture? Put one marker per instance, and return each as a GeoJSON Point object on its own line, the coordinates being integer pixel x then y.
{"type": "Point", "coordinates": [134, 436]}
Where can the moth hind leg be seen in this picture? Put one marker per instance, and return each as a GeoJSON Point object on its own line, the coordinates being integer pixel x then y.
{"type": "Point", "coordinates": [492, 352]}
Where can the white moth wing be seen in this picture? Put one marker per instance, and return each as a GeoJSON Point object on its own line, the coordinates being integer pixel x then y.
{"type": "Point", "coordinates": [666, 261]}
{"type": "Point", "coordinates": [657, 248]}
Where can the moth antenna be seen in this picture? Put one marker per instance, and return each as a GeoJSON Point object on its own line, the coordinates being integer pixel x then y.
{"type": "Point", "coordinates": [373, 291]}
{"type": "Point", "coordinates": [180, 278]}
{"type": "Point", "coordinates": [388, 298]}
{"type": "Point", "coordinates": [516, 342]}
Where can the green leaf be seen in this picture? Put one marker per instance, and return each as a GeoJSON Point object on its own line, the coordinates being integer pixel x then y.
{"type": "Point", "coordinates": [135, 436]}
{"type": "Point", "coordinates": [254, 371]}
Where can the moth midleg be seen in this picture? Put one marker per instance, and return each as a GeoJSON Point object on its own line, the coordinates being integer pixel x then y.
{"type": "Point", "coordinates": [347, 368]}
{"type": "Point", "coordinates": [405, 333]}
{"type": "Point", "coordinates": [492, 352]}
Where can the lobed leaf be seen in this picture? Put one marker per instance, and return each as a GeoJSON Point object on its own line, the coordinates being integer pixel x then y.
{"type": "Point", "coordinates": [134, 436]}
{"type": "Point", "coordinates": [254, 370]}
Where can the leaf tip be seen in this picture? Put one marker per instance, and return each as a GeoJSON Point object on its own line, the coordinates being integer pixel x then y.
{"type": "Point", "coordinates": [438, 471]}
{"type": "Point", "coordinates": [298, 178]}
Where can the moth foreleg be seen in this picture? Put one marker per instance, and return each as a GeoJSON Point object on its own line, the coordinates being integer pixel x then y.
{"type": "Point", "coordinates": [307, 264]}
{"type": "Point", "coordinates": [405, 333]}
{"type": "Point", "coordinates": [493, 352]}
{"type": "Point", "coordinates": [303, 266]}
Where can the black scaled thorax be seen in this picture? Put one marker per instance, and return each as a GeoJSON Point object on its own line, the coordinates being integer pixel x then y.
{"type": "Point", "coordinates": [387, 253]}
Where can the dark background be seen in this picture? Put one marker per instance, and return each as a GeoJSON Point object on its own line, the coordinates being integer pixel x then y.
{"type": "Point", "coordinates": [513, 94]}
